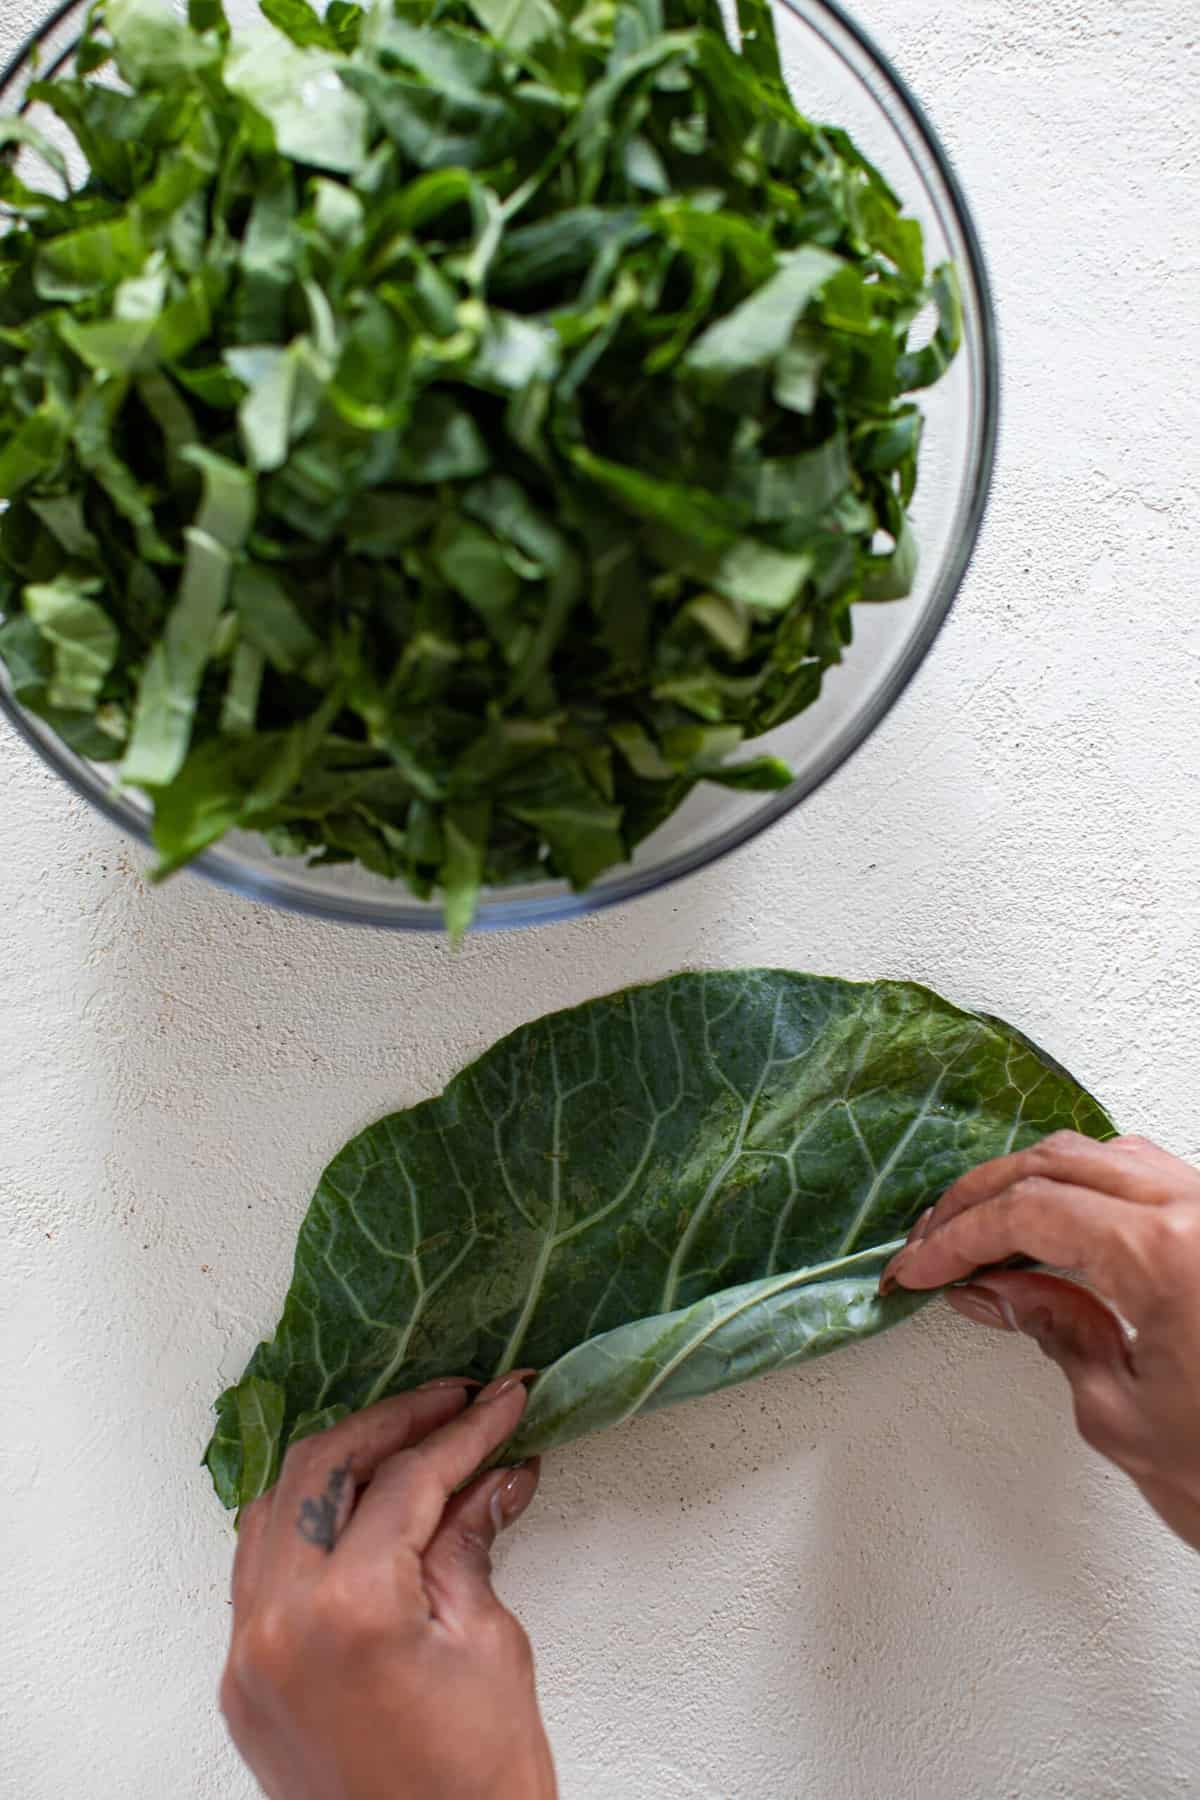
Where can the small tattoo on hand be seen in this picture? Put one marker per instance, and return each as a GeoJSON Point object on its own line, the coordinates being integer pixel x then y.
{"type": "Point", "coordinates": [317, 1520]}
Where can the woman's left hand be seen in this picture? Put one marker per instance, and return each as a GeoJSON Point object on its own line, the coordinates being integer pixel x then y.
{"type": "Point", "coordinates": [371, 1659]}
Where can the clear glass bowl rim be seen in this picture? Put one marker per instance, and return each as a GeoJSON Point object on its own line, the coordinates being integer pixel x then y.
{"type": "Point", "coordinates": [504, 911]}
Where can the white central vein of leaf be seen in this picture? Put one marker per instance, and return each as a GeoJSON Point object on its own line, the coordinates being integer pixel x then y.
{"type": "Point", "coordinates": [424, 1292]}
{"type": "Point", "coordinates": [546, 1247]}
{"type": "Point", "coordinates": [885, 1169]}
{"type": "Point", "coordinates": [762, 1292]}
{"type": "Point", "coordinates": [552, 1239]}
{"type": "Point", "coordinates": [657, 1116]}
{"type": "Point", "coordinates": [688, 1238]}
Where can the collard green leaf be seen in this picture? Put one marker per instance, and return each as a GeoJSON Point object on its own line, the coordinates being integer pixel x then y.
{"type": "Point", "coordinates": [891, 577]}
{"type": "Point", "coordinates": [730, 1337]}
{"type": "Point", "coordinates": [760, 329]}
{"type": "Point", "coordinates": [580, 824]}
{"type": "Point", "coordinates": [760, 47]}
{"type": "Point", "coordinates": [791, 488]}
{"type": "Point", "coordinates": [921, 368]}
{"type": "Point", "coordinates": [518, 24]}
{"type": "Point", "coordinates": [170, 686]}
{"type": "Point", "coordinates": [298, 21]}
{"type": "Point", "coordinates": [227, 511]}
{"type": "Point", "coordinates": [79, 264]}
{"type": "Point", "coordinates": [21, 132]}
{"type": "Point", "coordinates": [234, 779]}
{"type": "Point", "coordinates": [271, 620]}
{"type": "Point", "coordinates": [152, 44]}
{"type": "Point", "coordinates": [527, 382]}
{"type": "Point", "coordinates": [33, 451]}
{"type": "Point", "coordinates": [260, 1420]}
{"type": "Point", "coordinates": [646, 1198]}
{"type": "Point", "coordinates": [313, 116]}
{"type": "Point", "coordinates": [84, 639]}
{"type": "Point", "coordinates": [464, 837]}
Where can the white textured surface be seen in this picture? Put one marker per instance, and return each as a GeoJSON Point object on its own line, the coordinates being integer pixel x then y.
{"type": "Point", "coordinates": [897, 1574]}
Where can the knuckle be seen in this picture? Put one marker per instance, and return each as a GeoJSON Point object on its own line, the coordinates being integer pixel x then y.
{"type": "Point", "coordinates": [509, 1642]}
{"type": "Point", "coordinates": [1093, 1425]}
{"type": "Point", "coordinates": [1026, 1192]}
{"type": "Point", "coordinates": [257, 1509]}
{"type": "Point", "coordinates": [405, 1469]}
{"type": "Point", "coordinates": [1100, 1420]}
{"type": "Point", "coordinates": [1171, 1239]}
{"type": "Point", "coordinates": [473, 1543]}
{"type": "Point", "coordinates": [302, 1459]}
{"type": "Point", "coordinates": [345, 1619]}
{"type": "Point", "coordinates": [260, 1655]}
{"type": "Point", "coordinates": [1054, 1150]}
{"type": "Point", "coordinates": [1183, 1226]}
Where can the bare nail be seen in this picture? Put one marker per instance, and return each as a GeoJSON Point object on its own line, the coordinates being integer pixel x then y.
{"type": "Point", "coordinates": [504, 1385]}
{"type": "Point", "coordinates": [890, 1276]}
{"type": "Point", "coordinates": [511, 1496]}
{"type": "Point", "coordinates": [448, 1381]}
{"type": "Point", "coordinates": [921, 1227]}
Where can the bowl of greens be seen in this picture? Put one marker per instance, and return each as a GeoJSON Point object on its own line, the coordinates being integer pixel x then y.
{"type": "Point", "coordinates": [475, 461]}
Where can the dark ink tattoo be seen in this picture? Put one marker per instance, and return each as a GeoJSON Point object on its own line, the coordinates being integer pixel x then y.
{"type": "Point", "coordinates": [317, 1520]}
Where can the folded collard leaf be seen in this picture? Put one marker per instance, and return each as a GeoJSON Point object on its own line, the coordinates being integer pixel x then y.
{"type": "Point", "coordinates": [647, 1198]}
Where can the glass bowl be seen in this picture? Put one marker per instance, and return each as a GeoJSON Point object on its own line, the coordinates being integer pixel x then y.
{"type": "Point", "coordinates": [838, 74]}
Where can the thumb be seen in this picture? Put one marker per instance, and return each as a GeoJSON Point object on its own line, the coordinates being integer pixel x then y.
{"type": "Point", "coordinates": [1071, 1324]}
{"type": "Point", "coordinates": [458, 1562]}
{"type": "Point", "coordinates": [1076, 1330]}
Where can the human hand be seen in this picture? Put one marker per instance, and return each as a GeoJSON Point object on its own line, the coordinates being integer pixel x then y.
{"type": "Point", "coordinates": [371, 1659]}
{"type": "Point", "coordinates": [1125, 1216]}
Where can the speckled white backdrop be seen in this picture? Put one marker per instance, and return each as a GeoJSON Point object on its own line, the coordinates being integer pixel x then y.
{"type": "Point", "coordinates": [897, 1574]}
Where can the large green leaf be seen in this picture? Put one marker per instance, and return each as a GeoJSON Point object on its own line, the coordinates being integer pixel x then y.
{"type": "Point", "coordinates": [647, 1198]}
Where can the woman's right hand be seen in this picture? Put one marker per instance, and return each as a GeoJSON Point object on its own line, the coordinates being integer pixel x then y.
{"type": "Point", "coordinates": [1125, 1217]}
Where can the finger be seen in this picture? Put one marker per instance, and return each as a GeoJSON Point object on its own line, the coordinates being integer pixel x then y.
{"type": "Point", "coordinates": [403, 1507]}
{"type": "Point", "coordinates": [248, 1557]}
{"type": "Point", "coordinates": [1113, 1168]}
{"type": "Point", "coordinates": [322, 1475]}
{"type": "Point", "coordinates": [1077, 1331]}
{"type": "Point", "coordinates": [1050, 1221]}
{"type": "Point", "coordinates": [458, 1562]}
{"type": "Point", "coordinates": [1176, 1507]}
{"type": "Point", "coordinates": [1182, 1179]}
{"type": "Point", "coordinates": [1070, 1323]}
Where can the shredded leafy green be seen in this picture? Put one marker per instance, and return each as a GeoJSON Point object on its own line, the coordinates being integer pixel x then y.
{"type": "Point", "coordinates": [438, 435]}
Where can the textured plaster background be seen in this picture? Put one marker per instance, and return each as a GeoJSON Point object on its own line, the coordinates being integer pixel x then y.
{"type": "Point", "coordinates": [898, 1574]}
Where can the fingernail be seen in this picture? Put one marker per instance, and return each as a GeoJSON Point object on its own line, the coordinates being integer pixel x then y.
{"type": "Point", "coordinates": [505, 1385]}
{"type": "Point", "coordinates": [986, 1306]}
{"type": "Point", "coordinates": [890, 1276]}
{"type": "Point", "coordinates": [511, 1496]}
{"type": "Point", "coordinates": [921, 1227]}
{"type": "Point", "coordinates": [448, 1381]}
